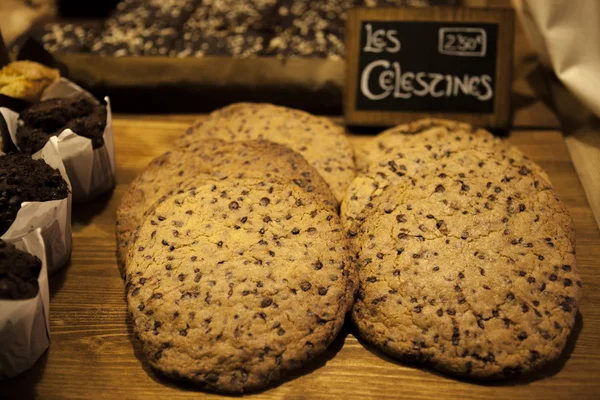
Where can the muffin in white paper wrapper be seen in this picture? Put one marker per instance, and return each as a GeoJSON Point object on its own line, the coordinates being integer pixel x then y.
{"type": "Point", "coordinates": [24, 326]}
{"type": "Point", "coordinates": [91, 171]}
{"type": "Point", "coordinates": [53, 217]}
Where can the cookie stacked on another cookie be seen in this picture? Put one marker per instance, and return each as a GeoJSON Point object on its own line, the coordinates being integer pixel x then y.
{"type": "Point", "coordinates": [322, 143]}
{"type": "Point", "coordinates": [190, 164]}
{"type": "Point", "coordinates": [236, 263]}
{"type": "Point", "coordinates": [467, 259]}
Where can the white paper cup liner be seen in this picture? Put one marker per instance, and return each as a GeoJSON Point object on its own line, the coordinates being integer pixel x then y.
{"type": "Point", "coordinates": [24, 325]}
{"type": "Point", "coordinates": [53, 218]}
{"type": "Point", "coordinates": [91, 171]}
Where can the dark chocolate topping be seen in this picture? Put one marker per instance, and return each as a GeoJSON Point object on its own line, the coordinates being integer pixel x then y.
{"type": "Point", "coordinates": [51, 117]}
{"type": "Point", "coordinates": [19, 273]}
{"type": "Point", "coordinates": [24, 179]}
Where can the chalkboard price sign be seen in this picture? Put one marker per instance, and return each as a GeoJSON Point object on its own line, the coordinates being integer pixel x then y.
{"type": "Point", "coordinates": [404, 64]}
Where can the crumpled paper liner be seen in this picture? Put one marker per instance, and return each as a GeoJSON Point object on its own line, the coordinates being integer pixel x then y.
{"type": "Point", "coordinates": [91, 171]}
{"type": "Point", "coordinates": [53, 218]}
{"type": "Point", "coordinates": [24, 324]}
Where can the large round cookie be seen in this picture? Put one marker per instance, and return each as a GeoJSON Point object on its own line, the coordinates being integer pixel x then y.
{"type": "Point", "coordinates": [320, 141]}
{"type": "Point", "coordinates": [237, 281]}
{"type": "Point", "coordinates": [476, 277]}
{"type": "Point", "coordinates": [188, 165]}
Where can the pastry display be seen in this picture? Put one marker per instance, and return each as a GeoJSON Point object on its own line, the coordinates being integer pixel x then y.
{"type": "Point", "coordinates": [51, 117]}
{"type": "Point", "coordinates": [267, 238]}
{"type": "Point", "coordinates": [467, 255]}
{"type": "Point", "coordinates": [24, 179]}
{"type": "Point", "coordinates": [19, 273]}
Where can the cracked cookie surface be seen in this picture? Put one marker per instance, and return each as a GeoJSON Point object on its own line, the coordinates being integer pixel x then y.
{"type": "Point", "coordinates": [237, 281]}
{"type": "Point", "coordinates": [323, 143]}
{"type": "Point", "coordinates": [458, 159]}
{"type": "Point", "coordinates": [188, 165]}
{"type": "Point", "coordinates": [472, 273]}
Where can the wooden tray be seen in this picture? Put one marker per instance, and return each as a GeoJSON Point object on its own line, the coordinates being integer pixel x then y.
{"type": "Point", "coordinates": [94, 354]}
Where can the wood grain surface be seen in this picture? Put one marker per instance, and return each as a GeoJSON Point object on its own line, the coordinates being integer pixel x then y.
{"type": "Point", "coordinates": [94, 354]}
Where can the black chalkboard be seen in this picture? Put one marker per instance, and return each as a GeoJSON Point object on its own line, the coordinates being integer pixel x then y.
{"type": "Point", "coordinates": [427, 67]}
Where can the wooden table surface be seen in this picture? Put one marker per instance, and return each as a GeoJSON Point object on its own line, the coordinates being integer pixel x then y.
{"type": "Point", "coordinates": [94, 355]}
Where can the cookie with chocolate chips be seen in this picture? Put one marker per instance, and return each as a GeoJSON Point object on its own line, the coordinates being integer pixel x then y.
{"type": "Point", "coordinates": [237, 281]}
{"type": "Point", "coordinates": [322, 143]}
{"type": "Point", "coordinates": [190, 164]}
{"type": "Point", "coordinates": [471, 273]}
{"type": "Point", "coordinates": [459, 155]}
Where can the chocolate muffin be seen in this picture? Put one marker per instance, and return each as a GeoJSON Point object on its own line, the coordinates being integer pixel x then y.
{"type": "Point", "coordinates": [24, 179]}
{"type": "Point", "coordinates": [19, 273]}
{"type": "Point", "coordinates": [51, 117]}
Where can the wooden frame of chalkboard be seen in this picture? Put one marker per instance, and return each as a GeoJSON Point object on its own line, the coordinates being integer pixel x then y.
{"type": "Point", "coordinates": [406, 63]}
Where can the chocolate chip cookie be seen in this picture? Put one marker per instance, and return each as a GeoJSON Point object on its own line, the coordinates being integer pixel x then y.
{"type": "Point", "coordinates": [324, 144]}
{"type": "Point", "coordinates": [237, 281]}
{"type": "Point", "coordinates": [469, 272]}
{"type": "Point", "coordinates": [192, 163]}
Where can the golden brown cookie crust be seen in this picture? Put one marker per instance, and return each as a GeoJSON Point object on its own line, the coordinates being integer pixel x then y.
{"type": "Point", "coordinates": [238, 281]}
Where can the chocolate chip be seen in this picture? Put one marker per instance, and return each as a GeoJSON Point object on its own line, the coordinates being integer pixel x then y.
{"type": "Point", "coordinates": [322, 291]}
{"type": "Point", "coordinates": [234, 205]}
{"type": "Point", "coordinates": [264, 201]}
{"type": "Point", "coordinates": [266, 302]}
{"type": "Point", "coordinates": [524, 171]}
{"type": "Point", "coordinates": [305, 286]}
